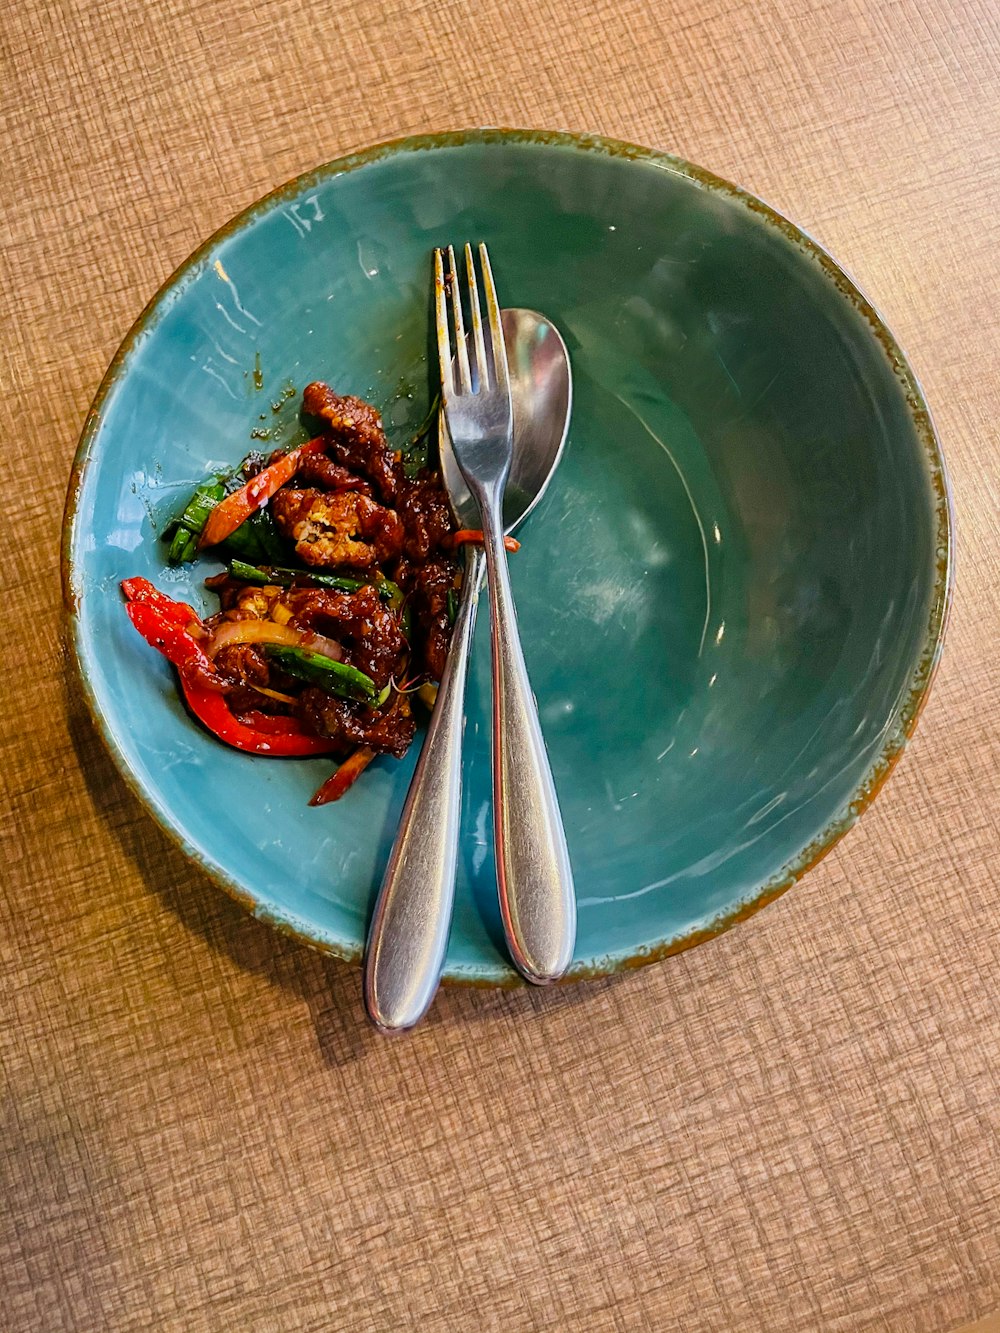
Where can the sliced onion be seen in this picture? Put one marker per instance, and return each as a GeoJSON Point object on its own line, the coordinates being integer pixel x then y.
{"type": "Point", "coordinates": [274, 694]}
{"type": "Point", "coordinates": [318, 643]}
{"type": "Point", "coordinates": [266, 631]}
{"type": "Point", "coordinates": [252, 631]}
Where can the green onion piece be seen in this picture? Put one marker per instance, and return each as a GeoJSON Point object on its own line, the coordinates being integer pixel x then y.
{"type": "Point", "coordinates": [189, 524]}
{"type": "Point", "coordinates": [248, 573]}
{"type": "Point", "coordinates": [391, 593]}
{"type": "Point", "coordinates": [428, 420]}
{"type": "Point", "coordinates": [452, 606]}
{"type": "Point", "coordinates": [416, 451]}
{"type": "Point", "coordinates": [182, 547]}
{"type": "Point", "coordinates": [201, 504]}
{"type": "Point", "coordinates": [394, 597]}
{"type": "Point", "coordinates": [383, 695]}
{"type": "Point", "coordinates": [335, 677]}
{"type": "Point", "coordinates": [333, 581]}
{"type": "Point", "coordinates": [282, 577]}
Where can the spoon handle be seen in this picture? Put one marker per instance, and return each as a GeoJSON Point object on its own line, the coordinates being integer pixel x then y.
{"type": "Point", "coordinates": [408, 936]}
{"type": "Point", "coordinates": [537, 901]}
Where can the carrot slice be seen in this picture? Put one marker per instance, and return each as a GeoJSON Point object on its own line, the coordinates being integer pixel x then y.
{"type": "Point", "coordinates": [474, 536]}
{"type": "Point", "coordinates": [235, 509]}
{"type": "Point", "coordinates": [345, 777]}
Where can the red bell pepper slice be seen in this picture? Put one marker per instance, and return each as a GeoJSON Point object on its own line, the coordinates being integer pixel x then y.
{"type": "Point", "coordinates": [235, 509]}
{"type": "Point", "coordinates": [273, 724]}
{"type": "Point", "coordinates": [166, 631]}
{"type": "Point", "coordinates": [211, 709]}
{"type": "Point", "coordinates": [160, 626]}
{"type": "Point", "coordinates": [141, 590]}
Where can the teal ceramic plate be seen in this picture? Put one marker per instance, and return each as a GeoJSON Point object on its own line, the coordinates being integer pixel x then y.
{"type": "Point", "coordinates": [731, 598]}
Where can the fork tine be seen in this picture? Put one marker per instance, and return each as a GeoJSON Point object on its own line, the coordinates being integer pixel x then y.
{"type": "Point", "coordinates": [499, 374]}
{"type": "Point", "coordinates": [461, 350]}
{"type": "Point", "coordinates": [441, 315]}
{"type": "Point", "coordinates": [478, 342]}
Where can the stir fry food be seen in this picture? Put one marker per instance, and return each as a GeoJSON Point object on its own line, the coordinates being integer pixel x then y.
{"type": "Point", "coordinates": [336, 605]}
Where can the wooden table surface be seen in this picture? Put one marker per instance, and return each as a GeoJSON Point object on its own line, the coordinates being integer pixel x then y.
{"type": "Point", "coordinates": [796, 1127]}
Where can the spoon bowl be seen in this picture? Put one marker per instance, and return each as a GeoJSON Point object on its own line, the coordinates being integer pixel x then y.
{"type": "Point", "coordinates": [541, 390]}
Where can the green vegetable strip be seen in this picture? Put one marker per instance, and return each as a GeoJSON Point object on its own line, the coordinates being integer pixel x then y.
{"type": "Point", "coordinates": [452, 606]}
{"type": "Point", "coordinates": [416, 451]}
{"type": "Point", "coordinates": [250, 573]}
{"type": "Point", "coordinates": [427, 422]}
{"type": "Point", "coordinates": [256, 540]}
{"type": "Point", "coordinates": [282, 577]}
{"type": "Point", "coordinates": [394, 597]}
{"type": "Point", "coordinates": [192, 520]}
{"type": "Point", "coordinates": [391, 593]}
{"type": "Point", "coordinates": [341, 584]}
{"type": "Point", "coordinates": [335, 677]}
{"type": "Point", "coordinates": [182, 547]}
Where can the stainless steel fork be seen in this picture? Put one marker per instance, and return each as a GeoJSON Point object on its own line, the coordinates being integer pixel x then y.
{"type": "Point", "coordinates": [537, 902]}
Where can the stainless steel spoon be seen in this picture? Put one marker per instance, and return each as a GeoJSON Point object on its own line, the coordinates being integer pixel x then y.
{"type": "Point", "coordinates": [408, 936]}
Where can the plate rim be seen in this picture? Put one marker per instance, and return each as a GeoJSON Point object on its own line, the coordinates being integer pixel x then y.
{"type": "Point", "coordinates": [913, 698]}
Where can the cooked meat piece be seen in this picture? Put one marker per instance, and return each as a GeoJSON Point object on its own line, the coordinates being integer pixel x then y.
{"type": "Point", "coordinates": [243, 665]}
{"type": "Point", "coordinates": [338, 530]}
{"type": "Point", "coordinates": [423, 506]}
{"type": "Point", "coordinates": [241, 601]}
{"type": "Point", "coordinates": [350, 419]}
{"type": "Point", "coordinates": [255, 603]}
{"type": "Point", "coordinates": [318, 470]}
{"type": "Point", "coordinates": [255, 463]}
{"type": "Point", "coordinates": [369, 632]}
{"type": "Point", "coordinates": [428, 586]}
{"type": "Point", "coordinates": [387, 730]}
{"type": "Point", "coordinates": [358, 438]}
{"type": "Point", "coordinates": [435, 649]}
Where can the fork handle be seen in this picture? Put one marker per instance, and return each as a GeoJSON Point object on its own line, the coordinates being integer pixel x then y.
{"type": "Point", "coordinates": [534, 877]}
{"type": "Point", "coordinates": [408, 936]}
